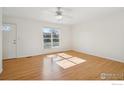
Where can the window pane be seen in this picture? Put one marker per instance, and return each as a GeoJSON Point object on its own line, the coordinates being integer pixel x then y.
{"type": "Point", "coordinates": [47, 40]}
{"type": "Point", "coordinates": [55, 34]}
{"type": "Point", "coordinates": [6, 28]}
{"type": "Point", "coordinates": [55, 42]}
{"type": "Point", "coordinates": [47, 43]}
{"type": "Point", "coordinates": [47, 30]}
{"type": "Point", "coordinates": [47, 35]}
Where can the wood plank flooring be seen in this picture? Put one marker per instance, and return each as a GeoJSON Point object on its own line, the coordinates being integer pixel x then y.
{"type": "Point", "coordinates": [35, 68]}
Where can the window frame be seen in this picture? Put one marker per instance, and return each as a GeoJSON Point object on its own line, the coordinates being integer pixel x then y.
{"type": "Point", "coordinates": [52, 47]}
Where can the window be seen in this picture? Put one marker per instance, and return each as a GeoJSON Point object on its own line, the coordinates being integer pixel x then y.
{"type": "Point", "coordinates": [6, 27]}
{"type": "Point", "coordinates": [51, 38]}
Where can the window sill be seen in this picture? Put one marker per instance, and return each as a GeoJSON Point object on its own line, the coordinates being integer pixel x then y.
{"type": "Point", "coordinates": [51, 48]}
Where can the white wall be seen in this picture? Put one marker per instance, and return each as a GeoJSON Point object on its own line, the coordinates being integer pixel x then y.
{"type": "Point", "coordinates": [29, 36]}
{"type": "Point", "coordinates": [0, 40]}
{"type": "Point", "coordinates": [101, 37]}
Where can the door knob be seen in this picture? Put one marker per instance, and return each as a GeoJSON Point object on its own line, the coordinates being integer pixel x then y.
{"type": "Point", "coordinates": [14, 41]}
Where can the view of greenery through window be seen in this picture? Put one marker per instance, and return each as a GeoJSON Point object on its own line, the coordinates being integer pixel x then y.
{"type": "Point", "coordinates": [50, 38]}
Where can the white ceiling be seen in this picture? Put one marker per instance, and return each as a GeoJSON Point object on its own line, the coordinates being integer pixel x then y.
{"type": "Point", "coordinates": [73, 14]}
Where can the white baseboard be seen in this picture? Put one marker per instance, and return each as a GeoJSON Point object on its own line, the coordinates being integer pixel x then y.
{"type": "Point", "coordinates": [122, 61]}
{"type": "Point", "coordinates": [1, 70]}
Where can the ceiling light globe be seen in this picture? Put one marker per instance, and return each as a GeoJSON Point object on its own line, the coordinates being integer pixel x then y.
{"type": "Point", "coordinates": [59, 17]}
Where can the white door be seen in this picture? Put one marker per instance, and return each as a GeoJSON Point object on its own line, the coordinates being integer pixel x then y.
{"type": "Point", "coordinates": [9, 41]}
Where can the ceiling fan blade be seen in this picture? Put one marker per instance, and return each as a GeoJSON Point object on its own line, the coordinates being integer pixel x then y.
{"type": "Point", "coordinates": [54, 14]}
{"type": "Point", "coordinates": [54, 9]}
{"type": "Point", "coordinates": [66, 9]}
{"type": "Point", "coordinates": [68, 16]}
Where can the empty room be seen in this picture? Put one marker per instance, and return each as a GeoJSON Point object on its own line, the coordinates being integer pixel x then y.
{"type": "Point", "coordinates": [62, 43]}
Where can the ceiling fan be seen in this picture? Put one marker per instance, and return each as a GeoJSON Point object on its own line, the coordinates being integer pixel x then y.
{"type": "Point", "coordinates": [59, 13]}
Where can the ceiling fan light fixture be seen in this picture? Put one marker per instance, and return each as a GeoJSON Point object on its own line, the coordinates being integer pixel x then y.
{"type": "Point", "coordinates": [59, 17]}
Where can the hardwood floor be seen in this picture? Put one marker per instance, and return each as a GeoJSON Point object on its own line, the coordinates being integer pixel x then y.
{"type": "Point", "coordinates": [34, 68]}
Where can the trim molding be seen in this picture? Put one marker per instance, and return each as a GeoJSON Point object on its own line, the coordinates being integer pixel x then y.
{"type": "Point", "coordinates": [108, 58]}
